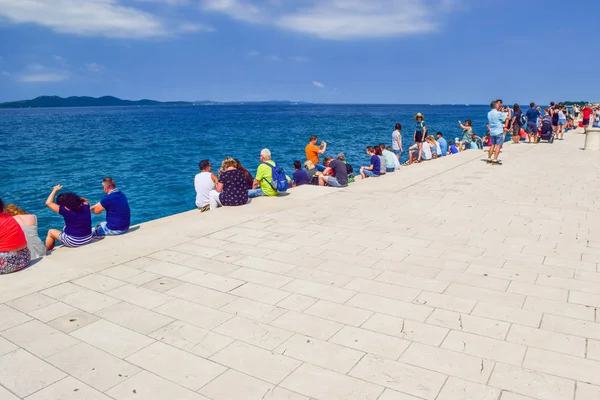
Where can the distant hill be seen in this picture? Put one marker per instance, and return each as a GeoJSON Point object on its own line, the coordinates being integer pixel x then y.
{"type": "Point", "coordinates": [75, 101]}
{"type": "Point", "coordinates": [110, 101]}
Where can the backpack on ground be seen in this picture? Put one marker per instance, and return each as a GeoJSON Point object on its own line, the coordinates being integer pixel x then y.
{"type": "Point", "coordinates": [279, 182]}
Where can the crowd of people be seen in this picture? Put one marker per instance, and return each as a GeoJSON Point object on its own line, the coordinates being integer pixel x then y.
{"type": "Point", "coordinates": [19, 240]}
{"type": "Point", "coordinates": [233, 185]}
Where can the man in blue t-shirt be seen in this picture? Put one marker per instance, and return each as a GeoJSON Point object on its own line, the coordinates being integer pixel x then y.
{"type": "Point", "coordinates": [443, 143]}
{"type": "Point", "coordinates": [532, 115]}
{"type": "Point", "coordinates": [373, 170]}
{"type": "Point", "coordinates": [496, 122]}
{"type": "Point", "coordinates": [118, 214]}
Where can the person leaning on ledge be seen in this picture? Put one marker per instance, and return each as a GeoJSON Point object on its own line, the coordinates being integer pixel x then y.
{"type": "Point", "coordinates": [118, 213]}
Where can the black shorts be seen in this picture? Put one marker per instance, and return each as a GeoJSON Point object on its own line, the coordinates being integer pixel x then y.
{"type": "Point", "coordinates": [516, 129]}
{"type": "Point", "coordinates": [419, 137]}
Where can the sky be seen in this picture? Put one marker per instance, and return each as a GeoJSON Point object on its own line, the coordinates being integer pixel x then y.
{"type": "Point", "coordinates": [324, 51]}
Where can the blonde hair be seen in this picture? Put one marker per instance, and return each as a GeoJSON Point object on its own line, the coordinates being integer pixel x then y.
{"type": "Point", "coordinates": [430, 138]}
{"type": "Point", "coordinates": [228, 162]}
{"type": "Point", "coordinates": [309, 164]}
{"type": "Point", "coordinates": [14, 209]}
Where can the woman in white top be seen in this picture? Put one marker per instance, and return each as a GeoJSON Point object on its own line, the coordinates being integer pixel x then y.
{"type": "Point", "coordinates": [204, 182]}
{"type": "Point", "coordinates": [28, 223]}
{"type": "Point", "coordinates": [562, 122]}
{"type": "Point", "coordinates": [435, 146]}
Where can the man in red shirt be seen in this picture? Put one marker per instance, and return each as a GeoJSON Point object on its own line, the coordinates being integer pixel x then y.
{"type": "Point", "coordinates": [587, 111]}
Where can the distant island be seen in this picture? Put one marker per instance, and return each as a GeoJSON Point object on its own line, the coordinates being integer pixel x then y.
{"type": "Point", "coordinates": [110, 101]}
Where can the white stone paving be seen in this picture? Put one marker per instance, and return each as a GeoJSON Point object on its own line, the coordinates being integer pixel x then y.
{"type": "Point", "coordinates": [449, 280]}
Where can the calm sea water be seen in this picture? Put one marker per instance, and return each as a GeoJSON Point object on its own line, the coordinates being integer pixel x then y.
{"type": "Point", "coordinates": [153, 152]}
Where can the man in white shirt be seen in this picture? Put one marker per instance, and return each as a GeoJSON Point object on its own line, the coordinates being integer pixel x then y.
{"type": "Point", "coordinates": [204, 182]}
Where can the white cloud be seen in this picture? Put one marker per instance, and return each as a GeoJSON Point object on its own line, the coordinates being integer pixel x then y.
{"type": "Point", "coordinates": [298, 59]}
{"type": "Point", "coordinates": [4, 73]}
{"type": "Point", "coordinates": [318, 84]}
{"type": "Point", "coordinates": [341, 19]}
{"type": "Point", "coordinates": [110, 18]}
{"type": "Point", "coordinates": [274, 58]}
{"type": "Point", "coordinates": [253, 53]}
{"type": "Point", "coordinates": [94, 68]}
{"type": "Point", "coordinates": [44, 77]}
{"type": "Point", "coordinates": [37, 72]}
{"type": "Point", "coordinates": [189, 27]}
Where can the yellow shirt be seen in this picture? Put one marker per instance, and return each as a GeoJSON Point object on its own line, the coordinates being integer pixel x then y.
{"type": "Point", "coordinates": [264, 174]}
{"type": "Point", "coordinates": [312, 153]}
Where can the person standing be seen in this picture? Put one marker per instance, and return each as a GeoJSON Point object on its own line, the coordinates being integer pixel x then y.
{"type": "Point", "coordinates": [517, 123]}
{"type": "Point", "coordinates": [420, 134]}
{"type": "Point", "coordinates": [586, 113]}
{"type": "Point", "coordinates": [532, 115]}
{"type": "Point", "coordinates": [576, 112]}
{"type": "Point", "coordinates": [118, 214]}
{"type": "Point", "coordinates": [562, 122]}
{"type": "Point", "coordinates": [204, 182]}
{"type": "Point", "coordinates": [397, 140]}
{"type": "Point", "coordinates": [312, 152]}
{"type": "Point", "coordinates": [496, 121]}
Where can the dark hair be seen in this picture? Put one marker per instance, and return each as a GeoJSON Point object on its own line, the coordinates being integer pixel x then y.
{"type": "Point", "coordinates": [499, 101]}
{"type": "Point", "coordinates": [71, 201]}
{"type": "Point", "coordinates": [440, 133]}
{"type": "Point", "coordinates": [203, 165]}
{"type": "Point", "coordinates": [297, 164]}
{"type": "Point", "coordinates": [399, 127]}
{"type": "Point", "coordinates": [551, 103]}
{"type": "Point", "coordinates": [381, 146]}
{"type": "Point", "coordinates": [493, 104]}
{"type": "Point", "coordinates": [1, 206]}
{"type": "Point", "coordinates": [327, 160]}
{"type": "Point", "coordinates": [370, 149]}
{"type": "Point", "coordinates": [468, 122]}
{"type": "Point", "coordinates": [247, 173]}
{"type": "Point", "coordinates": [313, 137]}
{"type": "Point", "coordinates": [532, 104]}
{"type": "Point", "coordinates": [377, 150]}
{"type": "Point", "coordinates": [516, 108]}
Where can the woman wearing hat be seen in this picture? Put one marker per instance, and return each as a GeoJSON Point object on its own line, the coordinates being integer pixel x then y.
{"type": "Point", "coordinates": [420, 134]}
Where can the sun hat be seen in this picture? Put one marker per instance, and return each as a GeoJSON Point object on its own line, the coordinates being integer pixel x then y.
{"type": "Point", "coordinates": [419, 115]}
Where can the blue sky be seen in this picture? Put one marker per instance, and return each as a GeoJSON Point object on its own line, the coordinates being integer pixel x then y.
{"type": "Point", "coordinates": [329, 51]}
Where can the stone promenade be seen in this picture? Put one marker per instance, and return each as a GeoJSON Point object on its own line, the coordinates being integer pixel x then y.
{"type": "Point", "coordinates": [448, 280]}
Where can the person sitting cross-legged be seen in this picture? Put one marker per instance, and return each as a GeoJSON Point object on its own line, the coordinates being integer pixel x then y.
{"type": "Point", "coordinates": [118, 214]}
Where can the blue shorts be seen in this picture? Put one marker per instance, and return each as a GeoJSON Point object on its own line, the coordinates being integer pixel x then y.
{"type": "Point", "coordinates": [332, 181]}
{"type": "Point", "coordinates": [102, 230]}
{"type": "Point", "coordinates": [369, 174]}
{"type": "Point", "coordinates": [252, 193]}
{"type": "Point", "coordinates": [390, 169]}
{"type": "Point", "coordinates": [532, 128]}
{"type": "Point", "coordinates": [497, 140]}
{"type": "Point", "coordinates": [562, 121]}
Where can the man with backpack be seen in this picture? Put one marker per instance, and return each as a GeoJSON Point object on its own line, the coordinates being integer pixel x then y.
{"type": "Point", "coordinates": [270, 179]}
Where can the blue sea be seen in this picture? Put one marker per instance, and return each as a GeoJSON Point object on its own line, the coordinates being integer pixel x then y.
{"type": "Point", "coordinates": [153, 152]}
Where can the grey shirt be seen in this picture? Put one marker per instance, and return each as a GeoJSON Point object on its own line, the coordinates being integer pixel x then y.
{"type": "Point", "coordinates": [340, 171]}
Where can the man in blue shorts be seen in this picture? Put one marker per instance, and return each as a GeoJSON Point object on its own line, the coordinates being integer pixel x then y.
{"type": "Point", "coordinates": [496, 120]}
{"type": "Point", "coordinates": [118, 214]}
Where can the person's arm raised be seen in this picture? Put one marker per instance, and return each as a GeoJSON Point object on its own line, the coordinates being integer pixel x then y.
{"type": "Point", "coordinates": [50, 200]}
